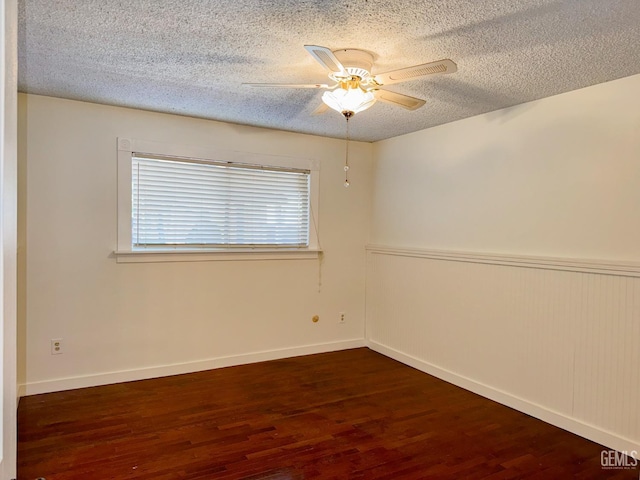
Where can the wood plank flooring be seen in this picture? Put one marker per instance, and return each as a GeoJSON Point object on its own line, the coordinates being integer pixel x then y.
{"type": "Point", "coordinates": [353, 414]}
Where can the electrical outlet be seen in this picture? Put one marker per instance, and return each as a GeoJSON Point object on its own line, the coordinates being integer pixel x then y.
{"type": "Point", "coordinates": [342, 319]}
{"type": "Point", "coordinates": [56, 346]}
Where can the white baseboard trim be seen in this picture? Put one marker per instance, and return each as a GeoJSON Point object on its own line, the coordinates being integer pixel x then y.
{"type": "Point", "coordinates": [71, 383]}
{"type": "Point", "coordinates": [590, 432]}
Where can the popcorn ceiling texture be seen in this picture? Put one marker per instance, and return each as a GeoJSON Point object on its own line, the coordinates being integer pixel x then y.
{"type": "Point", "coordinates": [190, 57]}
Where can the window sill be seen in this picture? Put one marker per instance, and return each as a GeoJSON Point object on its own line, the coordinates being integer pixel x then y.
{"type": "Point", "coordinates": [203, 255]}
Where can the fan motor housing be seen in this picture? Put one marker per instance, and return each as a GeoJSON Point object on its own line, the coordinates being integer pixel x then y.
{"type": "Point", "coordinates": [357, 62]}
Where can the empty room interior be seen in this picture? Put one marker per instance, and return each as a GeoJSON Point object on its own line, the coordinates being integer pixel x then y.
{"type": "Point", "coordinates": [355, 239]}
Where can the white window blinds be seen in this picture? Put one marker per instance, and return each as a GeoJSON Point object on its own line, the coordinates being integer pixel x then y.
{"type": "Point", "coordinates": [206, 204]}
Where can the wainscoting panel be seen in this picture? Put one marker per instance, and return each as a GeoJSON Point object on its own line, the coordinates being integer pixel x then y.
{"type": "Point", "coordinates": [556, 338]}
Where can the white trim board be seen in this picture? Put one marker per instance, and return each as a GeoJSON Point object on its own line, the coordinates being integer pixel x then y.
{"type": "Point", "coordinates": [590, 432]}
{"type": "Point", "coordinates": [108, 378]}
{"type": "Point", "coordinates": [603, 267]}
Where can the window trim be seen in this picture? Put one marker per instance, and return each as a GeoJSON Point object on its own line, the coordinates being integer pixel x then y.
{"type": "Point", "coordinates": [126, 253]}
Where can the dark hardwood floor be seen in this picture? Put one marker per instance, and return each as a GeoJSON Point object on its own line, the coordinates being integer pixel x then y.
{"type": "Point", "coordinates": [353, 414]}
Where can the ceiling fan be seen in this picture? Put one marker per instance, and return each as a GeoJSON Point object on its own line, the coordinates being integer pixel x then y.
{"type": "Point", "coordinates": [355, 88]}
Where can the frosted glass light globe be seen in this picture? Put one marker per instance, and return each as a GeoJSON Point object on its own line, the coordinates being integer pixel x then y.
{"type": "Point", "coordinates": [348, 99]}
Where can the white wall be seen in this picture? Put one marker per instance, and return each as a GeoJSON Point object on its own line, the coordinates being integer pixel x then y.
{"type": "Point", "coordinates": [555, 177]}
{"type": "Point", "coordinates": [124, 321]}
{"type": "Point", "coordinates": [555, 337]}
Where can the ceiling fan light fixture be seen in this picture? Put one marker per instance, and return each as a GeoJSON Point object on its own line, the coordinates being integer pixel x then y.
{"type": "Point", "coordinates": [348, 99]}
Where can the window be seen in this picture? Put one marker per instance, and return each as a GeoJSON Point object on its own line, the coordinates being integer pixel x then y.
{"type": "Point", "coordinates": [186, 202]}
{"type": "Point", "coordinates": [202, 203]}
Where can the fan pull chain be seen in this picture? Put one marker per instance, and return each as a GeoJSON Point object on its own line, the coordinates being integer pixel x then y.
{"type": "Point", "coordinates": [346, 157]}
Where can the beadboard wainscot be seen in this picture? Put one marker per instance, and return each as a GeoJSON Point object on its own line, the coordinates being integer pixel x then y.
{"type": "Point", "coordinates": [555, 338]}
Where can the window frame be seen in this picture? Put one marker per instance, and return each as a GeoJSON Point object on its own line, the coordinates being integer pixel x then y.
{"type": "Point", "coordinates": [126, 253]}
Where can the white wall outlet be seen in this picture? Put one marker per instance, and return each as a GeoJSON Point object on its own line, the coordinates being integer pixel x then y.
{"type": "Point", "coordinates": [342, 318]}
{"type": "Point", "coordinates": [56, 346]}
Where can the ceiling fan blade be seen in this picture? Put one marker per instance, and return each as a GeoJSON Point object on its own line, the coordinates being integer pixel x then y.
{"type": "Point", "coordinates": [326, 58]}
{"type": "Point", "coordinates": [409, 73]}
{"type": "Point", "coordinates": [398, 99]}
{"type": "Point", "coordinates": [288, 85]}
{"type": "Point", "coordinates": [322, 108]}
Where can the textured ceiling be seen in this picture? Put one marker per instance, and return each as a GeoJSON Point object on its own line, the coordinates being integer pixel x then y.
{"type": "Point", "coordinates": [190, 57]}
